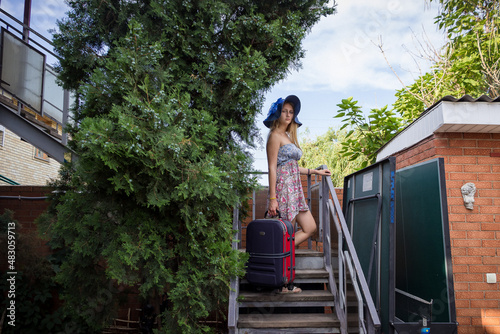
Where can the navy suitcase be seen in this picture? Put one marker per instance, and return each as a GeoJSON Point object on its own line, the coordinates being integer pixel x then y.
{"type": "Point", "coordinates": [271, 245]}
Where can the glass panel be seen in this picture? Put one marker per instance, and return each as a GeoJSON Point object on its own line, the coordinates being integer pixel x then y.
{"type": "Point", "coordinates": [53, 96]}
{"type": "Point", "coordinates": [2, 135]}
{"type": "Point", "coordinates": [22, 70]}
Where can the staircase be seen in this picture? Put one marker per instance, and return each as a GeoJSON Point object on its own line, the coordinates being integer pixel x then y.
{"type": "Point", "coordinates": [335, 297]}
{"type": "Point", "coordinates": [311, 311]}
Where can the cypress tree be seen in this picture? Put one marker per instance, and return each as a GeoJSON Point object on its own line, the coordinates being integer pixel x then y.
{"type": "Point", "coordinates": [167, 93]}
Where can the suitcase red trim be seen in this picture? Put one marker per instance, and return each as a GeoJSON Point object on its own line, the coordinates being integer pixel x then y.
{"type": "Point", "coordinates": [271, 246]}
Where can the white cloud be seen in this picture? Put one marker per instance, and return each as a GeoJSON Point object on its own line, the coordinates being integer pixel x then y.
{"type": "Point", "coordinates": [342, 51]}
{"type": "Point", "coordinates": [14, 8]}
{"type": "Point", "coordinates": [343, 59]}
{"type": "Point", "coordinates": [45, 13]}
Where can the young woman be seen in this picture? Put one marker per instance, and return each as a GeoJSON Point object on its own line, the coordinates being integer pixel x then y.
{"type": "Point", "coordinates": [283, 152]}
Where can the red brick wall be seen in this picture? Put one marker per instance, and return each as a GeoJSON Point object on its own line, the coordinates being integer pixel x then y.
{"type": "Point", "coordinates": [474, 234]}
{"type": "Point", "coordinates": [25, 211]}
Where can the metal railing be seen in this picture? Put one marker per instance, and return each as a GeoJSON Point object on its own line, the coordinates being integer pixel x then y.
{"type": "Point", "coordinates": [18, 110]}
{"type": "Point", "coordinates": [8, 181]}
{"type": "Point", "coordinates": [348, 263]}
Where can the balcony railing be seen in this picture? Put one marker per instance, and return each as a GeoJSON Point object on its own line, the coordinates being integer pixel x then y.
{"type": "Point", "coordinates": [32, 104]}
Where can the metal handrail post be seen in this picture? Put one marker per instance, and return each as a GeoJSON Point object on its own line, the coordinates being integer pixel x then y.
{"type": "Point", "coordinates": [253, 204]}
{"type": "Point", "coordinates": [325, 224]}
{"type": "Point", "coordinates": [232, 317]}
{"type": "Point", "coordinates": [309, 199]}
{"type": "Point", "coordinates": [339, 250]}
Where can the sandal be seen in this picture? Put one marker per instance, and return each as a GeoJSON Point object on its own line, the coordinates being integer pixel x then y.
{"type": "Point", "coordinates": [284, 290]}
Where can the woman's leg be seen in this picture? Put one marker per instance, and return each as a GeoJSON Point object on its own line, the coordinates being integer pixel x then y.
{"type": "Point", "coordinates": [308, 225]}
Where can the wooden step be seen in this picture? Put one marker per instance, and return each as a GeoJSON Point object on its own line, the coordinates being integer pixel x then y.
{"type": "Point", "coordinates": [307, 298]}
{"type": "Point", "coordinates": [299, 252]}
{"type": "Point", "coordinates": [311, 276]}
{"type": "Point", "coordinates": [308, 259]}
{"type": "Point", "coordinates": [308, 252]}
{"type": "Point", "coordinates": [287, 322]}
{"type": "Point", "coordinates": [306, 276]}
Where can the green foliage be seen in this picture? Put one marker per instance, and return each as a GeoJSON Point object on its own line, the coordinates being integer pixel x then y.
{"type": "Point", "coordinates": [168, 92]}
{"type": "Point", "coordinates": [470, 61]}
{"type": "Point", "coordinates": [469, 64]}
{"type": "Point", "coordinates": [325, 150]}
{"type": "Point", "coordinates": [365, 135]}
{"type": "Point", "coordinates": [473, 31]}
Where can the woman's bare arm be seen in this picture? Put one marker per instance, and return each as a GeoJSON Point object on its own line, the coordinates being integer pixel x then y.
{"type": "Point", "coordinates": [273, 146]}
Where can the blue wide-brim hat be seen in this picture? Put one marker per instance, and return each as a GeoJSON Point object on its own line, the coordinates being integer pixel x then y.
{"type": "Point", "coordinates": [275, 110]}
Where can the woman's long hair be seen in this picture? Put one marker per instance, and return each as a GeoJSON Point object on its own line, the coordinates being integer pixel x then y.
{"type": "Point", "coordinates": [291, 129]}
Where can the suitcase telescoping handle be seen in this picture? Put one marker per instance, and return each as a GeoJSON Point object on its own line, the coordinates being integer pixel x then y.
{"type": "Point", "coordinates": [266, 216]}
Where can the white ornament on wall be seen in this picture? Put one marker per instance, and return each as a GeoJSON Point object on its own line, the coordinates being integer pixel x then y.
{"type": "Point", "coordinates": [468, 191]}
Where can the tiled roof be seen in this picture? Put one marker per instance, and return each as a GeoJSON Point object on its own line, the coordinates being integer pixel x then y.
{"type": "Point", "coordinates": [465, 98]}
{"type": "Point", "coordinates": [449, 114]}
{"type": "Point", "coordinates": [468, 98]}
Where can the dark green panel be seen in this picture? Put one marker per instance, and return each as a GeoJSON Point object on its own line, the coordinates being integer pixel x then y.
{"type": "Point", "coordinates": [369, 212]}
{"type": "Point", "coordinates": [422, 239]}
{"type": "Point", "coordinates": [365, 222]}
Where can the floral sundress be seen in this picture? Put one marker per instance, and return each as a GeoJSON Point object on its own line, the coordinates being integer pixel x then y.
{"type": "Point", "coordinates": [289, 192]}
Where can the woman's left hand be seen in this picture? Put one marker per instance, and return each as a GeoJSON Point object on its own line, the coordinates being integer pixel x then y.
{"type": "Point", "coordinates": [324, 172]}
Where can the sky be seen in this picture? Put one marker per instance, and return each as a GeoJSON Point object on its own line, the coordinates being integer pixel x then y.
{"type": "Point", "coordinates": [342, 59]}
